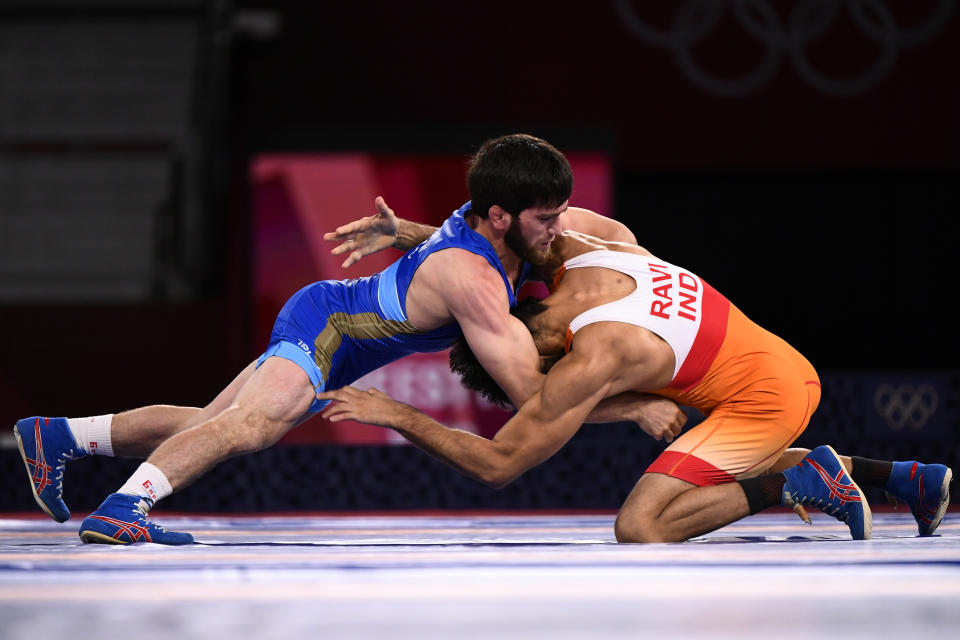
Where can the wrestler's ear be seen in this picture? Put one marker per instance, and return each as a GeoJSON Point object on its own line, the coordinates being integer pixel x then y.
{"type": "Point", "coordinates": [499, 218]}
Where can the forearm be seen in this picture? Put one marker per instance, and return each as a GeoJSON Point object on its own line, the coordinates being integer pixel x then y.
{"type": "Point", "coordinates": [468, 453]}
{"type": "Point", "coordinates": [410, 234]}
{"type": "Point", "coordinates": [623, 407]}
{"type": "Point", "coordinates": [657, 416]}
{"type": "Point", "coordinates": [534, 434]}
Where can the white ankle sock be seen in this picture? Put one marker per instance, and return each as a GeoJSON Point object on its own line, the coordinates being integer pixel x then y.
{"type": "Point", "coordinates": [93, 434]}
{"type": "Point", "coordinates": [147, 481]}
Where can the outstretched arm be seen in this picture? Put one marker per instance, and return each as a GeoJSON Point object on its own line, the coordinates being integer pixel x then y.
{"type": "Point", "coordinates": [541, 427]}
{"type": "Point", "coordinates": [384, 229]}
{"type": "Point", "coordinates": [375, 233]}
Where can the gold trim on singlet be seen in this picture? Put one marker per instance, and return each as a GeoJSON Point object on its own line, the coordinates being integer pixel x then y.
{"type": "Point", "coordinates": [360, 326]}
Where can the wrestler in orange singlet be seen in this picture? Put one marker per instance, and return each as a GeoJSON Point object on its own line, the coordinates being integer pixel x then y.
{"type": "Point", "coordinates": [758, 392]}
{"type": "Point", "coordinates": [629, 321]}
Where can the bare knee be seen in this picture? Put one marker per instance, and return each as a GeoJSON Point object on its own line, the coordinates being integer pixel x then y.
{"type": "Point", "coordinates": [643, 516]}
{"type": "Point", "coordinates": [638, 527]}
{"type": "Point", "coordinates": [248, 441]}
{"type": "Point", "coordinates": [269, 403]}
{"type": "Point", "coordinates": [251, 433]}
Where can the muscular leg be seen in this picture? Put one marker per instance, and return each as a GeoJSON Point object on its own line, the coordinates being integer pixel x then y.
{"type": "Point", "coordinates": [665, 509]}
{"type": "Point", "coordinates": [137, 433]}
{"type": "Point", "coordinates": [273, 399]}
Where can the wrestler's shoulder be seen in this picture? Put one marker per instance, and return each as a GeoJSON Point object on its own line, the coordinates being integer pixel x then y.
{"type": "Point", "coordinates": [572, 243]}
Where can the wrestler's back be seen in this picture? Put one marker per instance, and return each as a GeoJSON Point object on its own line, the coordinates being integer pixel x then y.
{"type": "Point", "coordinates": [727, 356]}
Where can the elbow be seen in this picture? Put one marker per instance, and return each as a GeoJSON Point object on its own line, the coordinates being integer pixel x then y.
{"type": "Point", "coordinates": [503, 466]}
{"type": "Point", "coordinates": [497, 478]}
{"type": "Point", "coordinates": [500, 483]}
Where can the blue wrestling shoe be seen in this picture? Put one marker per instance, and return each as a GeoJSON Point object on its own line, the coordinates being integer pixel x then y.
{"type": "Point", "coordinates": [46, 445]}
{"type": "Point", "coordinates": [821, 481]}
{"type": "Point", "coordinates": [122, 519]}
{"type": "Point", "coordinates": [925, 487]}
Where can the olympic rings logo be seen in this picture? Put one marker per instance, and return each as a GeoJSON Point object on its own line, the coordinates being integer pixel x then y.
{"type": "Point", "coordinates": [905, 406]}
{"type": "Point", "coordinates": [806, 22]}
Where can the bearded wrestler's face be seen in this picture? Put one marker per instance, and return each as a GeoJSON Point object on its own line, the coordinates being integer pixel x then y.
{"type": "Point", "coordinates": [531, 233]}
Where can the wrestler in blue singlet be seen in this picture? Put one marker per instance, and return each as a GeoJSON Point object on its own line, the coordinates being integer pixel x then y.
{"type": "Point", "coordinates": [339, 330]}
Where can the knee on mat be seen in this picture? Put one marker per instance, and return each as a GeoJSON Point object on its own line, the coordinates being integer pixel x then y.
{"type": "Point", "coordinates": [638, 528]}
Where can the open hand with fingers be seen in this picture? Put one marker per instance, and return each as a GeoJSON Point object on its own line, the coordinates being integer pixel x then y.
{"type": "Point", "coordinates": [370, 406]}
{"type": "Point", "coordinates": [367, 235]}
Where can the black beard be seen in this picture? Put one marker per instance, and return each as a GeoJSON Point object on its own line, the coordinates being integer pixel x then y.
{"type": "Point", "coordinates": [516, 243]}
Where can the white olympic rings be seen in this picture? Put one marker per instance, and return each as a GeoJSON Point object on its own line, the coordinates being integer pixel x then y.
{"type": "Point", "coordinates": [807, 21]}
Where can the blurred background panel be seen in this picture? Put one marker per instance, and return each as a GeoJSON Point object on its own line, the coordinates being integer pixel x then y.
{"type": "Point", "coordinates": [101, 135]}
{"type": "Point", "coordinates": [167, 169]}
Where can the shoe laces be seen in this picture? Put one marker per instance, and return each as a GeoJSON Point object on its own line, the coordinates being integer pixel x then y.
{"type": "Point", "coordinates": [62, 459]}
{"type": "Point", "coordinates": [140, 513]}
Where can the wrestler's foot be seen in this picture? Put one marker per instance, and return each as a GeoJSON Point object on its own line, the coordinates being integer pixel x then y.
{"type": "Point", "coordinates": [821, 481]}
{"type": "Point", "coordinates": [46, 445]}
{"type": "Point", "coordinates": [122, 519]}
{"type": "Point", "coordinates": [925, 487]}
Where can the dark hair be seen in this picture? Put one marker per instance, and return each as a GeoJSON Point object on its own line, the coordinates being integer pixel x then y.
{"type": "Point", "coordinates": [517, 172]}
{"type": "Point", "coordinates": [473, 376]}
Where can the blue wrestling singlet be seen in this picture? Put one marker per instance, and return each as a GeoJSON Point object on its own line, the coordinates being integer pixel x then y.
{"type": "Point", "coordinates": [339, 330]}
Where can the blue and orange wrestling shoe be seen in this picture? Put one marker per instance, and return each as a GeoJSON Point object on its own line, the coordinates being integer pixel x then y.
{"type": "Point", "coordinates": [122, 519]}
{"type": "Point", "coordinates": [46, 445]}
{"type": "Point", "coordinates": [821, 481]}
{"type": "Point", "coordinates": [925, 487]}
